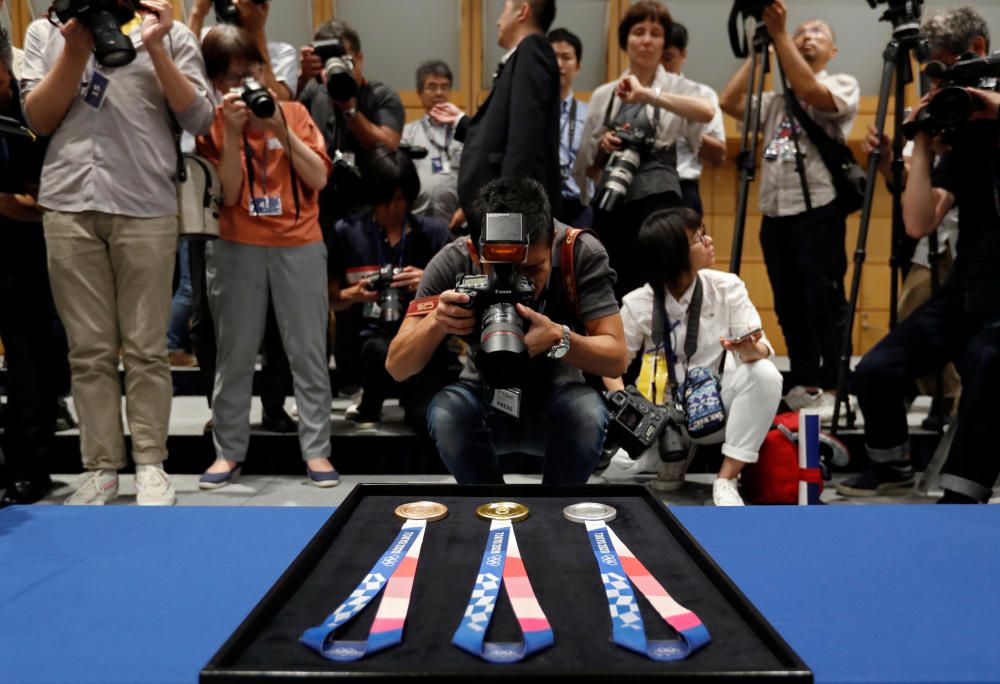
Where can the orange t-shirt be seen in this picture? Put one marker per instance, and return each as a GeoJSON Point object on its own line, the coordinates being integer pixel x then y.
{"type": "Point", "coordinates": [272, 179]}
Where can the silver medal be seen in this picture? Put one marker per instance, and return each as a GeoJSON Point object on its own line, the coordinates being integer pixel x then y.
{"type": "Point", "coordinates": [589, 511]}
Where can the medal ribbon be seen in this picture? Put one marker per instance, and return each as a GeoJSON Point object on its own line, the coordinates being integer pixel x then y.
{"type": "Point", "coordinates": [619, 565]}
{"type": "Point", "coordinates": [502, 564]}
{"type": "Point", "coordinates": [394, 571]}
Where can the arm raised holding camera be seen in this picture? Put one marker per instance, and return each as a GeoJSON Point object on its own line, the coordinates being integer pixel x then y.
{"type": "Point", "coordinates": [46, 105]}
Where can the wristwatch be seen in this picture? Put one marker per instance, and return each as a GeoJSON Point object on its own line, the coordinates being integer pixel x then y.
{"type": "Point", "coordinates": [350, 113]}
{"type": "Point", "coordinates": [561, 348]}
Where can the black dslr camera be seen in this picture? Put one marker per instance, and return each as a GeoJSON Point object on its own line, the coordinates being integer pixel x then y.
{"type": "Point", "coordinates": [953, 105]}
{"type": "Point", "coordinates": [257, 98]}
{"type": "Point", "coordinates": [226, 12]}
{"type": "Point", "coordinates": [503, 356]}
{"type": "Point", "coordinates": [635, 424]}
{"type": "Point", "coordinates": [738, 15]}
{"type": "Point", "coordinates": [338, 66]}
{"type": "Point", "coordinates": [390, 299]}
{"type": "Point", "coordinates": [104, 19]}
{"type": "Point", "coordinates": [621, 168]}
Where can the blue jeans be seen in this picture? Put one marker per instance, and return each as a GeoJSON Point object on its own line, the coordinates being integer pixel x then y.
{"type": "Point", "coordinates": [179, 332]}
{"type": "Point", "coordinates": [567, 429]}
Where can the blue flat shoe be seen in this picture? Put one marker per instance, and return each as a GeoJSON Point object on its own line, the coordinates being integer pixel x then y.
{"type": "Point", "coordinates": [217, 480]}
{"type": "Point", "coordinates": [320, 479]}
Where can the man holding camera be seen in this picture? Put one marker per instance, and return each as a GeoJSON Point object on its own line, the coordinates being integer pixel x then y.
{"type": "Point", "coordinates": [803, 230]}
{"type": "Point", "coordinates": [961, 322]}
{"type": "Point", "coordinates": [354, 114]}
{"type": "Point", "coordinates": [525, 390]}
{"type": "Point", "coordinates": [375, 267]}
{"type": "Point", "coordinates": [439, 168]}
{"type": "Point", "coordinates": [111, 218]}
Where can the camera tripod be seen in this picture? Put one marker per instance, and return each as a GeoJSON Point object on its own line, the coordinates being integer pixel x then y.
{"type": "Point", "coordinates": [896, 71]}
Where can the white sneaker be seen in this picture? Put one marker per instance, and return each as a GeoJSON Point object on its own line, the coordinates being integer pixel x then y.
{"type": "Point", "coordinates": [623, 467]}
{"type": "Point", "coordinates": [799, 398]}
{"type": "Point", "coordinates": [351, 412]}
{"type": "Point", "coordinates": [725, 493]}
{"type": "Point", "coordinates": [96, 488]}
{"type": "Point", "coordinates": [152, 486]}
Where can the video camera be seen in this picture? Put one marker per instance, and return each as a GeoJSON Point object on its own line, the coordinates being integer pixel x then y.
{"type": "Point", "coordinates": [953, 105]}
{"type": "Point", "coordinates": [502, 357]}
{"type": "Point", "coordinates": [904, 15]}
{"type": "Point", "coordinates": [104, 19]}
{"type": "Point", "coordinates": [635, 423]}
{"type": "Point", "coordinates": [390, 299]}
{"type": "Point", "coordinates": [257, 98]}
{"type": "Point", "coordinates": [622, 166]}
{"type": "Point", "coordinates": [226, 12]}
{"type": "Point", "coordinates": [338, 66]}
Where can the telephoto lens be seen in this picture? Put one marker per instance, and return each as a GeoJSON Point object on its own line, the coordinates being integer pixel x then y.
{"type": "Point", "coordinates": [258, 99]}
{"type": "Point", "coordinates": [503, 357]}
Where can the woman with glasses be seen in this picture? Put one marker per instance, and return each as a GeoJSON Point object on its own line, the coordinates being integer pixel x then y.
{"type": "Point", "coordinates": [272, 164]}
{"type": "Point", "coordinates": [675, 260]}
{"type": "Point", "coordinates": [628, 146]}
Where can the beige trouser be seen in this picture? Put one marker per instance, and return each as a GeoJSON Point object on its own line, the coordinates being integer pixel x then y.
{"type": "Point", "coordinates": [111, 279]}
{"type": "Point", "coordinates": [915, 291]}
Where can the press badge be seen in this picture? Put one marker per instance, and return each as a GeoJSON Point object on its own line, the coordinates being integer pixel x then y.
{"type": "Point", "coordinates": [97, 91]}
{"type": "Point", "coordinates": [440, 165]}
{"type": "Point", "coordinates": [265, 206]}
{"type": "Point", "coordinates": [507, 401]}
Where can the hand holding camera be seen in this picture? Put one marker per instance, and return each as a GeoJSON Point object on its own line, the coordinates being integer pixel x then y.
{"type": "Point", "coordinates": [453, 315]}
{"type": "Point", "coordinates": [408, 278]}
{"type": "Point", "coordinates": [310, 64]}
{"type": "Point", "coordinates": [157, 22]}
{"type": "Point", "coordinates": [775, 17]}
{"type": "Point", "coordinates": [543, 333]}
{"type": "Point", "coordinates": [79, 39]}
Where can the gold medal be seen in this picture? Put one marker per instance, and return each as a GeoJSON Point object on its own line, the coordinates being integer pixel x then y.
{"type": "Point", "coordinates": [421, 510]}
{"type": "Point", "coordinates": [503, 510]}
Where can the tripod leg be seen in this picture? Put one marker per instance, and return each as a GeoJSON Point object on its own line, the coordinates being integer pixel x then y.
{"type": "Point", "coordinates": [888, 71]}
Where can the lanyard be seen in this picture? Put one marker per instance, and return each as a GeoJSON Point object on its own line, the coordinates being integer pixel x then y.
{"type": "Point", "coordinates": [394, 571]}
{"type": "Point", "coordinates": [382, 260]}
{"type": "Point", "coordinates": [618, 565]}
{"type": "Point", "coordinates": [446, 150]}
{"type": "Point", "coordinates": [663, 330]}
{"type": "Point", "coordinates": [571, 120]}
{"type": "Point", "coordinates": [502, 564]}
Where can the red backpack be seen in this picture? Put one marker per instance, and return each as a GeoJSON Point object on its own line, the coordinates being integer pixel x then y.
{"type": "Point", "coordinates": [775, 477]}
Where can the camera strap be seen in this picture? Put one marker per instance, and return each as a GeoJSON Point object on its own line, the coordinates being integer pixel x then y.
{"type": "Point", "coordinates": [394, 572]}
{"type": "Point", "coordinates": [662, 337]}
{"type": "Point", "coordinates": [622, 573]}
{"type": "Point", "coordinates": [502, 564]}
{"type": "Point", "coordinates": [252, 175]}
{"type": "Point", "coordinates": [792, 107]}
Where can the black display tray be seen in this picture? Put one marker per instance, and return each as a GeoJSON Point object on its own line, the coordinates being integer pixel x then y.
{"type": "Point", "coordinates": [563, 572]}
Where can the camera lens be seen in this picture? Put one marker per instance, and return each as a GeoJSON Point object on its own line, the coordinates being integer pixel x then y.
{"type": "Point", "coordinates": [391, 305]}
{"type": "Point", "coordinates": [112, 48]}
{"type": "Point", "coordinates": [258, 99]}
{"type": "Point", "coordinates": [340, 83]}
{"type": "Point", "coordinates": [621, 170]}
{"type": "Point", "coordinates": [503, 356]}
{"type": "Point", "coordinates": [951, 106]}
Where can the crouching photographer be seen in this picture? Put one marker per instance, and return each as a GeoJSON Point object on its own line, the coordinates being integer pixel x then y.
{"type": "Point", "coordinates": [376, 265]}
{"type": "Point", "coordinates": [961, 321]}
{"type": "Point", "coordinates": [536, 302]}
{"type": "Point", "coordinates": [692, 325]}
{"type": "Point", "coordinates": [272, 165]}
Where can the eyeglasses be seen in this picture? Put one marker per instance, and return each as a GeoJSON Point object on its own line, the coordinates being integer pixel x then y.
{"type": "Point", "coordinates": [701, 236]}
{"type": "Point", "coordinates": [437, 88]}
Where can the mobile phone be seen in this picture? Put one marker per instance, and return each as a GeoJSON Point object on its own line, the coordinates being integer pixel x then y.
{"type": "Point", "coordinates": [743, 338]}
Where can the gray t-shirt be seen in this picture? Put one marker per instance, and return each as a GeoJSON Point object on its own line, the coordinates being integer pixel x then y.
{"type": "Point", "coordinates": [438, 171]}
{"type": "Point", "coordinates": [595, 282]}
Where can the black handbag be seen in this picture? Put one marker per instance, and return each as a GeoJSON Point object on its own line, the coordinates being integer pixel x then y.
{"type": "Point", "coordinates": [849, 179]}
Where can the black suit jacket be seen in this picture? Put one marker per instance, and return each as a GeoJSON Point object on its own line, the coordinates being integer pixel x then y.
{"type": "Point", "coordinates": [516, 130]}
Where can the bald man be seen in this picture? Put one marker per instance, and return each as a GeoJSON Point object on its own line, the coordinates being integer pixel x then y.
{"type": "Point", "coordinates": [802, 235]}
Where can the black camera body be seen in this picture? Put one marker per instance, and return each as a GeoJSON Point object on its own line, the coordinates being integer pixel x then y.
{"type": "Point", "coordinates": [622, 166]}
{"type": "Point", "coordinates": [502, 357]}
{"type": "Point", "coordinates": [390, 299]}
{"type": "Point", "coordinates": [104, 19]}
{"type": "Point", "coordinates": [635, 423]}
{"type": "Point", "coordinates": [949, 111]}
{"type": "Point", "coordinates": [257, 98]}
{"type": "Point", "coordinates": [338, 67]}
{"type": "Point", "coordinates": [904, 15]}
{"type": "Point", "coordinates": [226, 12]}
{"type": "Point", "coordinates": [738, 15]}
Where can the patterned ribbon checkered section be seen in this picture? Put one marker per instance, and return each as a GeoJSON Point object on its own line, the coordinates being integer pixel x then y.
{"type": "Point", "coordinates": [502, 564]}
{"type": "Point", "coordinates": [618, 566]}
{"type": "Point", "coordinates": [394, 571]}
